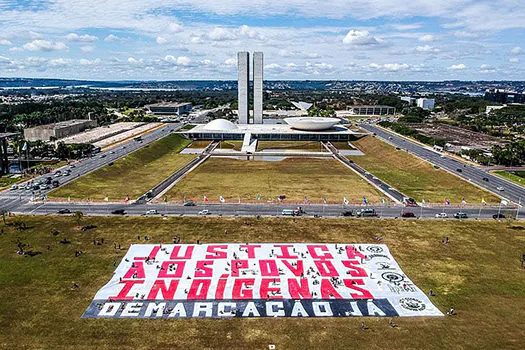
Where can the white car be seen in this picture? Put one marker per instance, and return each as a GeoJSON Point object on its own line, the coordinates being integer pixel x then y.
{"type": "Point", "coordinates": [14, 187]}
{"type": "Point", "coordinates": [151, 212]}
{"type": "Point", "coordinates": [501, 188]}
{"type": "Point", "coordinates": [204, 212]}
{"type": "Point", "coordinates": [441, 216]}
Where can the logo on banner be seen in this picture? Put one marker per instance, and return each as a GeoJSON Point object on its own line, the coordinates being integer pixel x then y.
{"type": "Point", "coordinates": [412, 304]}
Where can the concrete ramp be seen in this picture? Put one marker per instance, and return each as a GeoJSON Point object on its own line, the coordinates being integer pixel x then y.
{"type": "Point", "coordinates": [249, 146]}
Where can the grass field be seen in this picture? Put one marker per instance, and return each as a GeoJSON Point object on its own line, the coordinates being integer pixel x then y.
{"type": "Point", "coordinates": [133, 175]}
{"type": "Point", "coordinates": [199, 144]}
{"type": "Point", "coordinates": [478, 273]}
{"type": "Point", "coordinates": [293, 177]}
{"type": "Point", "coordinates": [415, 177]}
{"type": "Point", "coordinates": [293, 145]}
{"type": "Point", "coordinates": [518, 180]}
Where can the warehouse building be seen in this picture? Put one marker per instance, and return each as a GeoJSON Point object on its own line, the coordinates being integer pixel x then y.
{"type": "Point", "coordinates": [169, 108]}
{"type": "Point", "coordinates": [58, 130]}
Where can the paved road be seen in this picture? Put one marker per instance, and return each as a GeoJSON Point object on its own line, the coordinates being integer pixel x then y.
{"type": "Point", "coordinates": [472, 174]}
{"type": "Point", "coordinates": [249, 209]}
{"type": "Point", "coordinates": [10, 199]}
{"type": "Point", "coordinates": [380, 184]}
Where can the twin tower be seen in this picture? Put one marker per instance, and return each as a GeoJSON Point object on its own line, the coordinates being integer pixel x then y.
{"type": "Point", "coordinates": [243, 59]}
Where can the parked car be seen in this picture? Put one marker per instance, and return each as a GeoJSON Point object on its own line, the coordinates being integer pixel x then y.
{"type": "Point", "coordinates": [64, 211]}
{"type": "Point", "coordinates": [14, 187]}
{"type": "Point", "coordinates": [501, 188]}
{"type": "Point", "coordinates": [367, 212]}
{"type": "Point", "coordinates": [152, 212]}
{"type": "Point", "coordinates": [459, 170]}
{"type": "Point", "coordinates": [442, 216]}
{"type": "Point", "coordinates": [498, 216]}
{"type": "Point", "coordinates": [204, 212]}
{"type": "Point", "coordinates": [118, 212]}
{"type": "Point", "coordinates": [55, 183]}
{"type": "Point", "coordinates": [347, 213]}
{"type": "Point", "coordinates": [408, 214]}
{"type": "Point", "coordinates": [460, 215]}
{"type": "Point", "coordinates": [102, 156]}
{"type": "Point", "coordinates": [189, 204]}
{"type": "Point", "coordinates": [486, 179]}
{"type": "Point", "coordinates": [43, 187]}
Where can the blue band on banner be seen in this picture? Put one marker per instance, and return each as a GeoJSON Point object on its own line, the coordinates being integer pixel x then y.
{"type": "Point", "coordinates": [240, 308]}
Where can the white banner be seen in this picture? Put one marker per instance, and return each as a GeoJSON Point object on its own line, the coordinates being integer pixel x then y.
{"type": "Point", "coordinates": [259, 280]}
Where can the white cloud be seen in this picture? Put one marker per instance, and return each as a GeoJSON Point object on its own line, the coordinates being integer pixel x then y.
{"type": "Point", "coordinates": [460, 66]}
{"type": "Point", "coordinates": [5, 42]}
{"type": "Point", "coordinates": [514, 60]}
{"type": "Point", "coordinates": [86, 38]}
{"type": "Point", "coordinates": [426, 38]}
{"type": "Point", "coordinates": [161, 41]}
{"type": "Point", "coordinates": [427, 48]}
{"type": "Point", "coordinates": [360, 38]}
{"type": "Point", "coordinates": [180, 61]}
{"type": "Point", "coordinates": [58, 62]}
{"type": "Point", "coordinates": [230, 62]}
{"type": "Point", "coordinates": [133, 60]}
{"type": "Point", "coordinates": [45, 45]}
{"type": "Point", "coordinates": [410, 26]}
{"type": "Point", "coordinates": [86, 62]}
{"type": "Point", "coordinates": [486, 68]}
{"type": "Point", "coordinates": [175, 27]}
{"type": "Point", "coordinates": [221, 34]}
{"type": "Point", "coordinates": [516, 50]}
{"type": "Point", "coordinates": [389, 67]}
{"type": "Point", "coordinates": [114, 38]}
{"type": "Point", "coordinates": [87, 48]}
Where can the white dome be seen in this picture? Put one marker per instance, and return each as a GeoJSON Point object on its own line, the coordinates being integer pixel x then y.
{"type": "Point", "coordinates": [220, 125]}
{"type": "Point", "coordinates": [311, 123]}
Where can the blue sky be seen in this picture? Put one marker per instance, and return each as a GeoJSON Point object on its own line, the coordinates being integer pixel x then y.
{"type": "Point", "coordinates": [301, 39]}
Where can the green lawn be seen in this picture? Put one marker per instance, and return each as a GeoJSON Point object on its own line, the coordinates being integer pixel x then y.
{"type": "Point", "coordinates": [293, 177]}
{"type": "Point", "coordinates": [478, 273]}
{"type": "Point", "coordinates": [518, 180]}
{"type": "Point", "coordinates": [291, 145]}
{"type": "Point", "coordinates": [133, 175]}
{"type": "Point", "coordinates": [415, 177]}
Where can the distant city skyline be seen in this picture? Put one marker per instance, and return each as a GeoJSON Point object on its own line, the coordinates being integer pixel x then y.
{"type": "Point", "coordinates": [199, 40]}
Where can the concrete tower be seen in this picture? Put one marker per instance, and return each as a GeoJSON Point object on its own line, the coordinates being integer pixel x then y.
{"type": "Point", "coordinates": [257, 87]}
{"type": "Point", "coordinates": [243, 59]}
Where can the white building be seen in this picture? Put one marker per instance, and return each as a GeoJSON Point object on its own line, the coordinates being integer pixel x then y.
{"type": "Point", "coordinates": [425, 103]}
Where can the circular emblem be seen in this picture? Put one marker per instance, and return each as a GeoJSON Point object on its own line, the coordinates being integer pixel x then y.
{"type": "Point", "coordinates": [392, 277]}
{"type": "Point", "coordinates": [374, 249]}
{"type": "Point", "coordinates": [412, 304]}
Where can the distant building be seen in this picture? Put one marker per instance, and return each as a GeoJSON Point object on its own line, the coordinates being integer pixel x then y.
{"type": "Point", "coordinates": [489, 109]}
{"type": "Point", "coordinates": [425, 103]}
{"type": "Point", "coordinates": [502, 96]}
{"type": "Point", "coordinates": [371, 110]}
{"type": "Point", "coordinates": [258, 87]}
{"type": "Point", "coordinates": [58, 130]}
{"type": "Point", "coordinates": [173, 108]}
{"type": "Point", "coordinates": [411, 100]}
{"type": "Point", "coordinates": [304, 106]}
{"type": "Point", "coordinates": [243, 84]}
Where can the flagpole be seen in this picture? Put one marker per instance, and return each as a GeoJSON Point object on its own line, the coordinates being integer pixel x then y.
{"type": "Point", "coordinates": [518, 211]}
{"type": "Point", "coordinates": [479, 214]}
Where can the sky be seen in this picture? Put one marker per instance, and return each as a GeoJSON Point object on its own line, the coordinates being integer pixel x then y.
{"type": "Point", "coordinates": [301, 39]}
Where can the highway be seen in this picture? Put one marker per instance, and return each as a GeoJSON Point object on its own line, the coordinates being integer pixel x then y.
{"type": "Point", "coordinates": [470, 173]}
{"type": "Point", "coordinates": [244, 209]}
{"type": "Point", "coordinates": [10, 199]}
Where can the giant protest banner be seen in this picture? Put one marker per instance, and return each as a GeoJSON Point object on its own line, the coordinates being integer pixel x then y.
{"type": "Point", "coordinates": [259, 280]}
